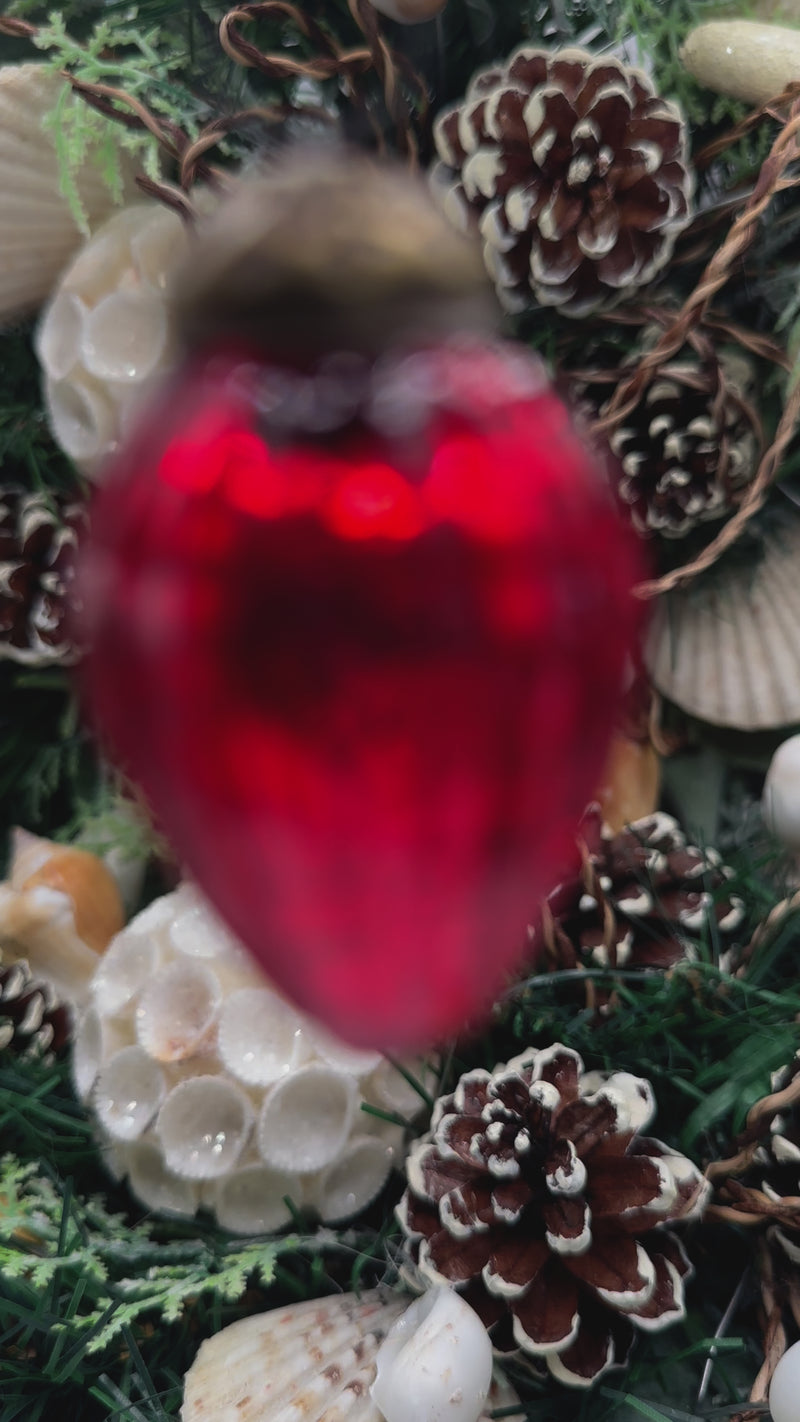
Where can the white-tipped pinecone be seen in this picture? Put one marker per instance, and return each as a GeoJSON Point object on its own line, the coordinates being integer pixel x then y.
{"type": "Point", "coordinates": [575, 171]}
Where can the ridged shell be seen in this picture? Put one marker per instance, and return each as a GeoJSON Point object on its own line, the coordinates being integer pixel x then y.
{"type": "Point", "coordinates": [310, 1362]}
{"type": "Point", "coordinates": [38, 234]}
{"type": "Point", "coordinates": [727, 650]}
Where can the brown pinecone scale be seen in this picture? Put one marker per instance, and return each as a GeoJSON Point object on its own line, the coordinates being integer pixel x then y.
{"type": "Point", "coordinates": [38, 540]}
{"type": "Point", "coordinates": [639, 899]}
{"type": "Point", "coordinates": [32, 1021]}
{"type": "Point", "coordinates": [575, 172]}
{"type": "Point", "coordinates": [537, 1196]}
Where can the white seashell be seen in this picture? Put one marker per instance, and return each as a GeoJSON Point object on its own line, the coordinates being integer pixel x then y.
{"type": "Point", "coordinates": [435, 1364]}
{"type": "Point", "coordinates": [129, 1091]}
{"type": "Point", "coordinates": [746, 59]}
{"type": "Point", "coordinates": [96, 1042]}
{"type": "Point", "coordinates": [780, 802]}
{"type": "Point", "coordinates": [310, 1362]}
{"type": "Point", "coordinates": [341, 1054]}
{"type": "Point", "coordinates": [305, 1120]}
{"type": "Point", "coordinates": [38, 233]}
{"type": "Point", "coordinates": [105, 337]}
{"type": "Point", "coordinates": [355, 1179]}
{"type": "Point", "coordinates": [727, 650]}
{"type": "Point", "coordinates": [153, 1183]}
{"type": "Point", "coordinates": [187, 1048]}
{"type": "Point", "coordinates": [409, 12]}
{"type": "Point", "coordinates": [177, 1010]}
{"type": "Point", "coordinates": [314, 1361]}
{"type": "Point", "coordinates": [129, 964]}
{"type": "Point", "coordinates": [260, 1039]}
{"type": "Point", "coordinates": [204, 1126]}
{"type": "Point", "coordinates": [252, 1199]}
{"type": "Point", "coordinates": [388, 1089]}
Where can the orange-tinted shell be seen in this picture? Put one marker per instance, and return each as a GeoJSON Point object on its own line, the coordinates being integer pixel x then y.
{"type": "Point", "coordinates": [630, 786]}
{"type": "Point", "coordinates": [99, 914]}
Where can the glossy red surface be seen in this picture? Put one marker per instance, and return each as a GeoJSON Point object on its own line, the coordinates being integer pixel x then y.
{"type": "Point", "coordinates": [366, 683]}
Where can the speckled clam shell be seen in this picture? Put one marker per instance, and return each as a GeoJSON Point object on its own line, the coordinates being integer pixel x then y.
{"type": "Point", "coordinates": [310, 1362]}
{"type": "Point", "coordinates": [727, 649]}
{"type": "Point", "coordinates": [38, 233]}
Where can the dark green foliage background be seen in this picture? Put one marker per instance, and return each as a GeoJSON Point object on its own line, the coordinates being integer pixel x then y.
{"type": "Point", "coordinates": [79, 1265]}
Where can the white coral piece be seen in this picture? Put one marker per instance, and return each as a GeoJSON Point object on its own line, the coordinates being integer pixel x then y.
{"type": "Point", "coordinates": [211, 1089]}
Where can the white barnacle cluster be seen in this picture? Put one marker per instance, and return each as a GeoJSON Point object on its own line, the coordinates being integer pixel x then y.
{"type": "Point", "coordinates": [106, 333]}
{"type": "Point", "coordinates": [209, 1089]}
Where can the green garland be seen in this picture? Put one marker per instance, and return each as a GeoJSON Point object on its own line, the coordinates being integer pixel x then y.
{"type": "Point", "coordinates": [102, 1309]}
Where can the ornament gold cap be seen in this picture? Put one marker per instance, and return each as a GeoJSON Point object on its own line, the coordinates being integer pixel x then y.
{"type": "Point", "coordinates": [325, 251]}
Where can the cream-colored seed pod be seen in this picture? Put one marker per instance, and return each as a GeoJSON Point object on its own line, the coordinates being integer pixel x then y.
{"type": "Point", "coordinates": [318, 1361]}
{"type": "Point", "coordinates": [780, 802]}
{"type": "Point", "coordinates": [106, 335]}
{"type": "Point", "coordinates": [185, 1048]}
{"type": "Point", "coordinates": [410, 12]}
{"type": "Point", "coordinates": [746, 59]}
{"type": "Point", "coordinates": [59, 908]}
{"type": "Point", "coordinates": [38, 232]}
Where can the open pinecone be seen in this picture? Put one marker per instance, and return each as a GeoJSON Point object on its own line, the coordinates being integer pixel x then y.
{"type": "Point", "coordinates": [575, 171]}
{"type": "Point", "coordinates": [38, 539]}
{"type": "Point", "coordinates": [32, 1021]}
{"type": "Point", "coordinates": [537, 1198]}
{"type": "Point", "coordinates": [687, 451]}
{"type": "Point", "coordinates": [636, 900]}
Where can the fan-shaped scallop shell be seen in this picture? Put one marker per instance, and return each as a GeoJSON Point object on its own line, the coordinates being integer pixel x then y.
{"type": "Point", "coordinates": [727, 649]}
{"type": "Point", "coordinates": [38, 233]}
{"type": "Point", "coordinates": [310, 1362]}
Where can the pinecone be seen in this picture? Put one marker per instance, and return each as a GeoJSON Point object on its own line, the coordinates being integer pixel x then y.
{"type": "Point", "coordinates": [637, 899]}
{"type": "Point", "coordinates": [576, 172]}
{"type": "Point", "coordinates": [38, 538]}
{"type": "Point", "coordinates": [536, 1196]}
{"type": "Point", "coordinates": [32, 1021]}
{"type": "Point", "coordinates": [687, 451]}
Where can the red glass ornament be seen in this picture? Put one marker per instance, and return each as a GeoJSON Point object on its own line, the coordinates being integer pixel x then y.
{"type": "Point", "coordinates": [366, 677]}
